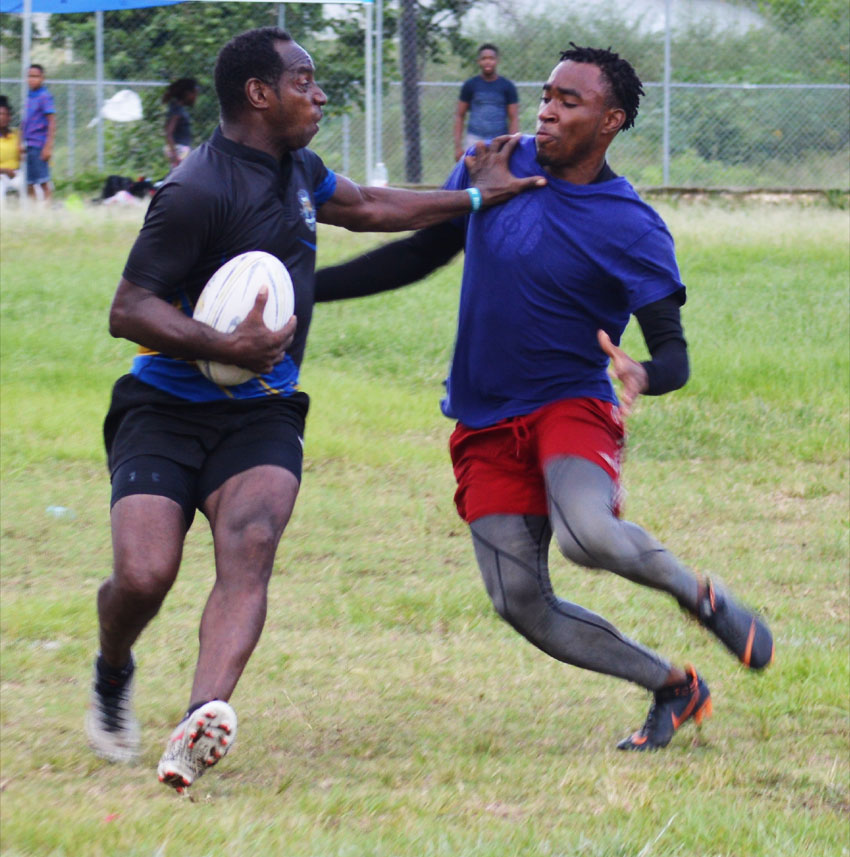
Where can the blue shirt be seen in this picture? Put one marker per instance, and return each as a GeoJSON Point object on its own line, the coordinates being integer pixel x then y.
{"type": "Point", "coordinates": [488, 102]}
{"type": "Point", "coordinates": [542, 274]}
{"type": "Point", "coordinates": [39, 107]}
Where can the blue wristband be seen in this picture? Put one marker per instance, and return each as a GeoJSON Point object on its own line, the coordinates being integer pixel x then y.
{"type": "Point", "coordinates": [474, 197]}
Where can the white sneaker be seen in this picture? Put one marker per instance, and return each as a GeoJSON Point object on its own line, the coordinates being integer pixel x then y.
{"type": "Point", "coordinates": [111, 726]}
{"type": "Point", "coordinates": [197, 743]}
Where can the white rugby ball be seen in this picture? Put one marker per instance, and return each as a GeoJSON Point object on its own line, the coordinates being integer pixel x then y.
{"type": "Point", "coordinates": [229, 296]}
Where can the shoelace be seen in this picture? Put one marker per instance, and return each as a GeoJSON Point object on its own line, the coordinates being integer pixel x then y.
{"type": "Point", "coordinates": [650, 718]}
{"type": "Point", "coordinates": [112, 695]}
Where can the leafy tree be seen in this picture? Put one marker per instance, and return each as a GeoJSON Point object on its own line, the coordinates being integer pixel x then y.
{"type": "Point", "coordinates": [793, 12]}
{"type": "Point", "coordinates": [167, 42]}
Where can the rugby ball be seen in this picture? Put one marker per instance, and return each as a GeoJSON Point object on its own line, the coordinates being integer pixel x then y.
{"type": "Point", "coordinates": [229, 296]}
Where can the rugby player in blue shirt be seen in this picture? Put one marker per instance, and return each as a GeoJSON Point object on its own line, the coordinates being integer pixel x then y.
{"type": "Point", "coordinates": [550, 281]}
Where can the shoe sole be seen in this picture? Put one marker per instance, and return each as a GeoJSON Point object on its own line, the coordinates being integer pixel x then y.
{"type": "Point", "coordinates": [211, 738]}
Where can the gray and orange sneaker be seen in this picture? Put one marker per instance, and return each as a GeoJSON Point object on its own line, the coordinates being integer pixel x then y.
{"type": "Point", "coordinates": [197, 743]}
{"type": "Point", "coordinates": [739, 629]}
{"type": "Point", "coordinates": [670, 708]}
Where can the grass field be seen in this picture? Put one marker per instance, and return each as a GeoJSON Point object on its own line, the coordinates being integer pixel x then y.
{"type": "Point", "coordinates": [387, 712]}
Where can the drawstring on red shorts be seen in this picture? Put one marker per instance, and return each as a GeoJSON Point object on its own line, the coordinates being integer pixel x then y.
{"type": "Point", "coordinates": [521, 434]}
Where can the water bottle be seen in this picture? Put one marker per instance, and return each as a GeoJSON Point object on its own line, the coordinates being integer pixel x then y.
{"type": "Point", "coordinates": [379, 176]}
{"type": "Point", "coordinates": [61, 512]}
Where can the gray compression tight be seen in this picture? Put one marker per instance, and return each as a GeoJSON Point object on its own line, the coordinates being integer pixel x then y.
{"type": "Point", "coordinates": [512, 552]}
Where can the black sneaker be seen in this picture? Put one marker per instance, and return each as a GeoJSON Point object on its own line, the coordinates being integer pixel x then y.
{"type": "Point", "coordinates": [111, 726]}
{"type": "Point", "coordinates": [739, 629]}
{"type": "Point", "coordinates": [671, 707]}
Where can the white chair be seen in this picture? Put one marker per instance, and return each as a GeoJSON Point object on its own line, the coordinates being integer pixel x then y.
{"type": "Point", "coordinates": [16, 184]}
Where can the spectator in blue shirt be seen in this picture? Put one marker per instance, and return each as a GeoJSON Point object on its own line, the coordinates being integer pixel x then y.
{"type": "Point", "coordinates": [38, 132]}
{"type": "Point", "coordinates": [491, 102]}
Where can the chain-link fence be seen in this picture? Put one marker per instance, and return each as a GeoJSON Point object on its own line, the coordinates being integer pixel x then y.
{"type": "Point", "coordinates": [748, 94]}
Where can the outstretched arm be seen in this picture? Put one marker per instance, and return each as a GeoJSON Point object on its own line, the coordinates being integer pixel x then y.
{"type": "Point", "coordinates": [387, 209]}
{"type": "Point", "coordinates": [391, 265]}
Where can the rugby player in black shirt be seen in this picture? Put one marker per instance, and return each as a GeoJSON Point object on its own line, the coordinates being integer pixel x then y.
{"type": "Point", "coordinates": [176, 442]}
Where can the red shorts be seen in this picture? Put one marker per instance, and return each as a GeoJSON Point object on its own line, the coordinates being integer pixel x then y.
{"type": "Point", "coordinates": [499, 469]}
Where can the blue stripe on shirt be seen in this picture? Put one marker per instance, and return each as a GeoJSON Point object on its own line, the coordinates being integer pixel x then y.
{"type": "Point", "coordinates": [183, 379]}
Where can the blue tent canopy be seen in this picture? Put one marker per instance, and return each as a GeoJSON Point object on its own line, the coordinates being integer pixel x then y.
{"type": "Point", "coordinates": [27, 8]}
{"type": "Point", "coordinates": [58, 7]}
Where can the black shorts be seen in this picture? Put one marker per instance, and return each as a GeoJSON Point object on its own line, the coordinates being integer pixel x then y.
{"type": "Point", "coordinates": [159, 444]}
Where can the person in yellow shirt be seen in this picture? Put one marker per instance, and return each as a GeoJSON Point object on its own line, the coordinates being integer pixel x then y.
{"type": "Point", "coordinates": [10, 151]}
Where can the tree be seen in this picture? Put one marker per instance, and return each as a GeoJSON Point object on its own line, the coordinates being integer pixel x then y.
{"type": "Point", "coordinates": [426, 30]}
{"type": "Point", "coordinates": [792, 12]}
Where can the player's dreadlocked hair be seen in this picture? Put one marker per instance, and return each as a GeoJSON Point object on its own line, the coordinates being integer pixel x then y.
{"type": "Point", "coordinates": [624, 84]}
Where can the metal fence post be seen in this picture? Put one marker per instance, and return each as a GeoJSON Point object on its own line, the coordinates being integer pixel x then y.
{"type": "Point", "coordinates": [665, 145]}
{"type": "Point", "coordinates": [379, 80]}
{"type": "Point", "coordinates": [346, 144]}
{"type": "Point", "coordinates": [370, 154]}
{"type": "Point", "coordinates": [72, 136]}
{"type": "Point", "coordinates": [26, 47]}
{"type": "Point", "coordinates": [98, 49]}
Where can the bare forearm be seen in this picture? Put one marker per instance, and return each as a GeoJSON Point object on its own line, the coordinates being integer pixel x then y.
{"type": "Point", "coordinates": [458, 131]}
{"type": "Point", "coordinates": [51, 131]}
{"type": "Point", "coordinates": [513, 118]}
{"type": "Point", "coordinates": [170, 127]}
{"type": "Point", "coordinates": [156, 324]}
{"type": "Point", "coordinates": [396, 210]}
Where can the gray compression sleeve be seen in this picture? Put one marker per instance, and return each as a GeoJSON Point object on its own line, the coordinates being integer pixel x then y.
{"type": "Point", "coordinates": [588, 533]}
{"type": "Point", "coordinates": [512, 555]}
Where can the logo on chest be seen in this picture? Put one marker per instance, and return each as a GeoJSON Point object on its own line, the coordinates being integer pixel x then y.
{"type": "Point", "coordinates": [515, 229]}
{"type": "Point", "coordinates": [308, 213]}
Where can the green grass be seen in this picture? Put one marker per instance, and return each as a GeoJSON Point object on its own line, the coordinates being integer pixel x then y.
{"type": "Point", "coordinates": [387, 712]}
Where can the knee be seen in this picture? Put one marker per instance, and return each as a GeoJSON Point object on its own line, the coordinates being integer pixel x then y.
{"type": "Point", "coordinates": [255, 540]}
{"type": "Point", "coordinates": [143, 577]}
{"type": "Point", "coordinates": [592, 542]}
{"type": "Point", "coordinates": [518, 601]}
{"type": "Point", "coordinates": [245, 554]}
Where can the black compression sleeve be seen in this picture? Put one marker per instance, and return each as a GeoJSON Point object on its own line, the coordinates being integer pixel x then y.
{"type": "Point", "coordinates": [392, 265]}
{"type": "Point", "coordinates": [661, 325]}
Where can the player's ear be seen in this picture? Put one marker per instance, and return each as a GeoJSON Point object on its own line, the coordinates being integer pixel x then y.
{"type": "Point", "coordinates": [613, 121]}
{"type": "Point", "coordinates": [256, 93]}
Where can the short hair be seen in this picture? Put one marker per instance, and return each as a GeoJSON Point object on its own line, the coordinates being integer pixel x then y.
{"type": "Point", "coordinates": [624, 86]}
{"type": "Point", "coordinates": [179, 89]}
{"type": "Point", "coordinates": [250, 54]}
{"type": "Point", "coordinates": [487, 46]}
{"type": "Point", "coordinates": [38, 66]}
